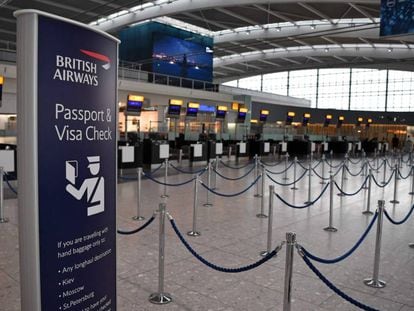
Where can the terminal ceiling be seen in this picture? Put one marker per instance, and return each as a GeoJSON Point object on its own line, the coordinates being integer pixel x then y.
{"type": "Point", "coordinates": [251, 36]}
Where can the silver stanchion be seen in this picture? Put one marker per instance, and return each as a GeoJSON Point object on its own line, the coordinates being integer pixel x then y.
{"type": "Point", "coordinates": [346, 164]}
{"type": "Point", "coordinates": [363, 163]}
{"type": "Point", "coordinates": [208, 203]}
{"type": "Point", "coordinates": [161, 297]}
{"type": "Point", "coordinates": [274, 152]}
{"type": "Point", "coordinates": [229, 155]}
{"type": "Point", "coordinates": [180, 156]}
{"type": "Point", "coordinates": [331, 156]}
{"type": "Point", "coordinates": [412, 181]}
{"type": "Point", "coordinates": [375, 281]}
{"type": "Point", "coordinates": [330, 227]}
{"type": "Point", "coordinates": [309, 184]}
{"type": "Point", "coordinates": [262, 202]}
{"type": "Point", "coordinates": [377, 162]}
{"type": "Point", "coordinates": [375, 158]}
{"type": "Point", "coordinates": [216, 167]}
{"type": "Point", "coordinates": [385, 172]}
{"type": "Point", "coordinates": [256, 174]}
{"type": "Point", "coordinates": [290, 247]}
{"type": "Point", "coordinates": [368, 211]}
{"type": "Point", "coordinates": [269, 223]}
{"type": "Point", "coordinates": [3, 219]}
{"type": "Point", "coordinates": [194, 231]}
{"type": "Point", "coordinates": [323, 170]}
{"type": "Point", "coordinates": [295, 161]}
{"type": "Point", "coordinates": [341, 194]}
{"type": "Point", "coordinates": [286, 166]}
{"type": "Point", "coordinates": [138, 216]}
{"type": "Point", "coordinates": [165, 195]}
{"type": "Point", "coordinates": [398, 167]}
{"type": "Point", "coordinates": [394, 200]}
{"type": "Point", "coordinates": [311, 160]}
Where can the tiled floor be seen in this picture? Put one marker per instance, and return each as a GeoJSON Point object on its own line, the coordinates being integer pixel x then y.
{"type": "Point", "coordinates": [233, 236]}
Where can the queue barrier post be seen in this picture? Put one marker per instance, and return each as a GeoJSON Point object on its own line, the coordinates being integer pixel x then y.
{"type": "Point", "coordinates": [330, 227]}
{"type": "Point", "coordinates": [394, 200]}
{"type": "Point", "coordinates": [208, 203]}
{"type": "Point", "coordinates": [368, 211]}
{"type": "Point", "coordinates": [375, 281]}
{"type": "Point", "coordinates": [269, 223]}
{"type": "Point", "coordinates": [290, 247]}
{"type": "Point", "coordinates": [256, 173]}
{"type": "Point", "coordinates": [165, 194]}
{"type": "Point", "coordinates": [3, 219]}
{"type": "Point", "coordinates": [138, 215]}
{"type": "Point", "coordinates": [286, 166]}
{"type": "Point", "coordinates": [309, 184]}
{"type": "Point", "coordinates": [262, 199]}
{"type": "Point", "coordinates": [161, 297]}
{"type": "Point", "coordinates": [194, 231]}
{"type": "Point", "coordinates": [323, 170]}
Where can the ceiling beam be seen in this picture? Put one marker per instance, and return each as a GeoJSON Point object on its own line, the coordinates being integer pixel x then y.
{"type": "Point", "coordinates": [196, 17]}
{"type": "Point", "coordinates": [269, 62]}
{"type": "Point", "coordinates": [316, 12]}
{"type": "Point", "coordinates": [252, 66]}
{"type": "Point", "coordinates": [367, 42]}
{"type": "Point", "coordinates": [291, 60]}
{"type": "Point", "coordinates": [275, 14]}
{"type": "Point", "coordinates": [316, 59]}
{"type": "Point", "coordinates": [340, 58]}
{"type": "Point", "coordinates": [331, 41]}
{"type": "Point", "coordinates": [67, 7]}
{"type": "Point", "coordinates": [362, 11]}
{"type": "Point", "coordinates": [242, 18]}
{"type": "Point", "coordinates": [232, 69]}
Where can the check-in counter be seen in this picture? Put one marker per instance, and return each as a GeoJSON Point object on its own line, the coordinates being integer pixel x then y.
{"type": "Point", "coordinates": [130, 156]}
{"type": "Point", "coordinates": [155, 152]}
{"type": "Point", "coordinates": [338, 147]}
{"type": "Point", "coordinates": [242, 150]}
{"type": "Point", "coordinates": [298, 147]}
{"type": "Point", "coordinates": [198, 153]}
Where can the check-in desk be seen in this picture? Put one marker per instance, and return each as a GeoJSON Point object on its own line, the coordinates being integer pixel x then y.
{"type": "Point", "coordinates": [130, 156]}
{"type": "Point", "coordinates": [155, 152]}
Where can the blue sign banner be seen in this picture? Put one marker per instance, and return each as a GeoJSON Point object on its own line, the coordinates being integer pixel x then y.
{"type": "Point", "coordinates": [77, 93]}
{"type": "Point", "coordinates": [397, 17]}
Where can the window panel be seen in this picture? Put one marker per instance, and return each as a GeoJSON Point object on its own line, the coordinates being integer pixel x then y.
{"type": "Point", "coordinates": [368, 89]}
{"type": "Point", "coordinates": [302, 84]}
{"type": "Point", "coordinates": [276, 83]}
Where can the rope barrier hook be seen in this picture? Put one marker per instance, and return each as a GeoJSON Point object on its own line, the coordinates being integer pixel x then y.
{"type": "Point", "coordinates": [375, 281]}
{"type": "Point", "coordinates": [161, 297]}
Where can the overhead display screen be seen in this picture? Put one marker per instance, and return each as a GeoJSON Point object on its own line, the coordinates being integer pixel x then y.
{"type": "Point", "coordinates": [241, 115]}
{"type": "Point", "coordinates": [134, 104]}
{"type": "Point", "coordinates": [221, 112]}
{"type": "Point", "coordinates": [396, 17]}
{"type": "Point", "coordinates": [181, 58]}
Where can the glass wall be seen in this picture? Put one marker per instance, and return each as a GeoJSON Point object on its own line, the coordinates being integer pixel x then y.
{"type": "Point", "coordinates": [368, 89]}
{"type": "Point", "coordinates": [339, 88]}
{"type": "Point", "coordinates": [302, 84]}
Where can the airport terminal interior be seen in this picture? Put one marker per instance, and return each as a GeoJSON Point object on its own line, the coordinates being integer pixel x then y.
{"type": "Point", "coordinates": [206, 155]}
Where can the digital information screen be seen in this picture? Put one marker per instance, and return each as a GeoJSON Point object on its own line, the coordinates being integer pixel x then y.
{"type": "Point", "coordinates": [174, 110]}
{"type": "Point", "coordinates": [220, 114]}
{"type": "Point", "coordinates": [134, 104]}
{"type": "Point", "coordinates": [396, 17]}
{"type": "Point", "coordinates": [192, 112]}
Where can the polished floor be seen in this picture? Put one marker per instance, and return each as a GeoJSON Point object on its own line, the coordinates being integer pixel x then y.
{"type": "Point", "coordinates": [232, 236]}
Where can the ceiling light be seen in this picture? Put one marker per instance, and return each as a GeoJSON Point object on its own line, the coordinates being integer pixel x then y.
{"type": "Point", "coordinates": [313, 26]}
{"type": "Point", "coordinates": [278, 29]}
{"type": "Point", "coordinates": [326, 50]}
{"type": "Point", "coordinates": [247, 32]}
{"type": "Point", "coordinates": [389, 50]}
{"type": "Point", "coordinates": [171, 62]}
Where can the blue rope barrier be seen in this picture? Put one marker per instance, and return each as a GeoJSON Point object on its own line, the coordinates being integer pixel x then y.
{"type": "Point", "coordinates": [231, 195]}
{"type": "Point", "coordinates": [124, 232]}
{"type": "Point", "coordinates": [236, 168]}
{"type": "Point", "coordinates": [302, 166]}
{"type": "Point", "coordinates": [307, 204]}
{"type": "Point", "coordinates": [386, 183]}
{"type": "Point", "coordinates": [187, 172]}
{"type": "Point", "coordinates": [353, 193]}
{"type": "Point", "coordinates": [317, 165]}
{"type": "Point", "coordinates": [352, 174]}
{"type": "Point", "coordinates": [271, 165]}
{"type": "Point", "coordinates": [288, 184]}
{"type": "Point", "coordinates": [218, 268]}
{"type": "Point", "coordinates": [334, 288]}
{"type": "Point", "coordinates": [389, 165]}
{"type": "Point", "coordinates": [348, 253]}
{"type": "Point", "coordinates": [402, 177]}
{"type": "Point", "coordinates": [281, 172]}
{"type": "Point", "coordinates": [334, 166]}
{"type": "Point", "coordinates": [9, 184]}
{"type": "Point", "coordinates": [156, 170]}
{"type": "Point", "coordinates": [375, 169]}
{"type": "Point", "coordinates": [167, 184]}
{"type": "Point", "coordinates": [401, 221]}
{"type": "Point", "coordinates": [230, 178]}
{"type": "Point", "coordinates": [323, 178]}
{"type": "Point", "coordinates": [354, 162]}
